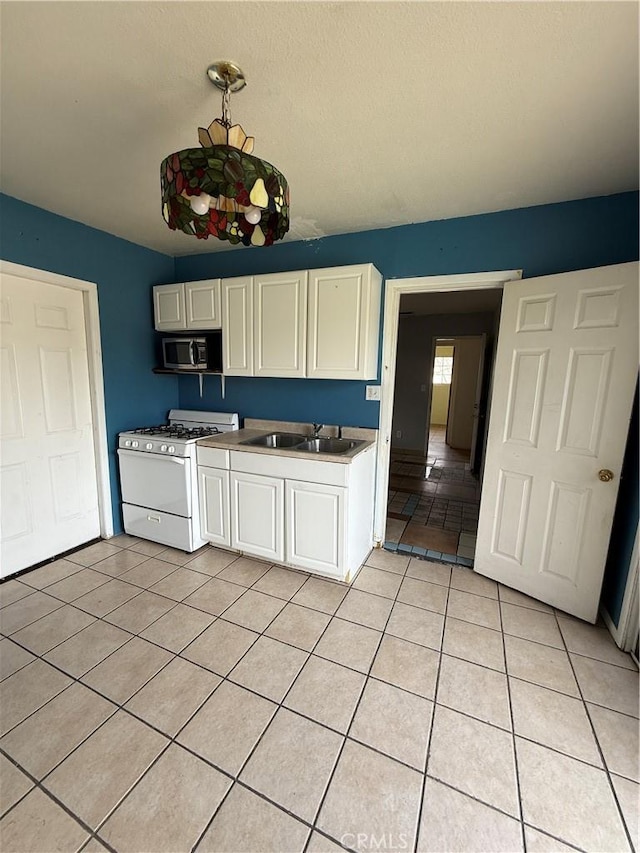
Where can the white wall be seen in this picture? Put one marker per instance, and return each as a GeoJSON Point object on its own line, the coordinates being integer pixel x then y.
{"type": "Point", "coordinates": [466, 365]}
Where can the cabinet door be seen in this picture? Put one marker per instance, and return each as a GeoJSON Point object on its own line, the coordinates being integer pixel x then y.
{"type": "Point", "coordinates": [213, 488]}
{"type": "Point", "coordinates": [237, 325]}
{"type": "Point", "coordinates": [315, 524]}
{"type": "Point", "coordinates": [202, 301]}
{"type": "Point", "coordinates": [257, 515]}
{"type": "Point", "coordinates": [168, 307]}
{"type": "Point", "coordinates": [280, 324]}
{"type": "Point", "coordinates": [344, 316]}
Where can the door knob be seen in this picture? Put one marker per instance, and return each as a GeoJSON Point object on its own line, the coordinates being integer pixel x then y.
{"type": "Point", "coordinates": [605, 475]}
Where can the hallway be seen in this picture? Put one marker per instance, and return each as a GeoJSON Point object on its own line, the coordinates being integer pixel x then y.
{"type": "Point", "coordinates": [433, 503]}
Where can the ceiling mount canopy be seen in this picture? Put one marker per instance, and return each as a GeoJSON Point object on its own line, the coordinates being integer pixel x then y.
{"type": "Point", "coordinates": [221, 189]}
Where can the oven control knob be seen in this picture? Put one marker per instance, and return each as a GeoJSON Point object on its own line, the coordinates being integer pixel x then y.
{"type": "Point", "coordinates": [127, 443]}
{"type": "Point", "coordinates": [134, 444]}
{"type": "Point", "coordinates": [171, 449]}
{"type": "Point", "coordinates": [149, 446]}
{"type": "Point", "coordinates": [164, 448]}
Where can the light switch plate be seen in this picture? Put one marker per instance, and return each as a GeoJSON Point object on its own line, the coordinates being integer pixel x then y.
{"type": "Point", "coordinates": [373, 392]}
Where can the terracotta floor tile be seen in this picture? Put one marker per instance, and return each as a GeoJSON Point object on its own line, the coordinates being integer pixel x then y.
{"type": "Point", "coordinates": [430, 537]}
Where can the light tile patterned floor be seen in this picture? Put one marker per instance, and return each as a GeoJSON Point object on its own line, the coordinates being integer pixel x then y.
{"type": "Point", "coordinates": [159, 701]}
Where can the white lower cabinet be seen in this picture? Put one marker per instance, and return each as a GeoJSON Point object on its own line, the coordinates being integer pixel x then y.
{"type": "Point", "coordinates": [315, 524]}
{"type": "Point", "coordinates": [312, 515]}
{"type": "Point", "coordinates": [213, 488]}
{"type": "Point", "coordinates": [257, 515]}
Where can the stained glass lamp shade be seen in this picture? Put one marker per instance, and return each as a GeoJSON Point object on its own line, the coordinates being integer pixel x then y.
{"type": "Point", "coordinates": [222, 189]}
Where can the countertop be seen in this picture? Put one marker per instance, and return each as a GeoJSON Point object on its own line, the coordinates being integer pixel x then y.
{"type": "Point", "coordinates": [233, 440]}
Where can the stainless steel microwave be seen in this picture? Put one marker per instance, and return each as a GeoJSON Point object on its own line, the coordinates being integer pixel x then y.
{"type": "Point", "coordinates": [203, 352]}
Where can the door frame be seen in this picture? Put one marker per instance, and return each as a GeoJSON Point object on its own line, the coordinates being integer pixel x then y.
{"type": "Point", "coordinates": [394, 289]}
{"type": "Point", "coordinates": [89, 292]}
{"type": "Point", "coordinates": [625, 632]}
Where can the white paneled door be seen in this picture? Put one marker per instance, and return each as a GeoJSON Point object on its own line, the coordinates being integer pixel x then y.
{"type": "Point", "coordinates": [565, 374]}
{"type": "Point", "coordinates": [49, 498]}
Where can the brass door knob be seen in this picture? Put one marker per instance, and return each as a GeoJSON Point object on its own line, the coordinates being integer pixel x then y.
{"type": "Point", "coordinates": [605, 475]}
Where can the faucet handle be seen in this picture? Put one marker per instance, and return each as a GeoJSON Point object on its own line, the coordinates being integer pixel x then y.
{"type": "Point", "coordinates": [316, 429]}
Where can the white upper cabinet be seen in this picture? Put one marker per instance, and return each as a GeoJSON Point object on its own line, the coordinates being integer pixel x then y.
{"type": "Point", "coordinates": [344, 317]}
{"type": "Point", "coordinates": [194, 305]}
{"type": "Point", "coordinates": [280, 324]}
{"type": "Point", "coordinates": [321, 324]}
{"type": "Point", "coordinates": [237, 324]}
{"type": "Point", "coordinates": [202, 302]}
{"type": "Point", "coordinates": [168, 307]}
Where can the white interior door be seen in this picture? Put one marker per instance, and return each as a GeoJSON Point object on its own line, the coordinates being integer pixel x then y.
{"type": "Point", "coordinates": [565, 374]}
{"type": "Point", "coordinates": [467, 354]}
{"type": "Point", "coordinates": [49, 497]}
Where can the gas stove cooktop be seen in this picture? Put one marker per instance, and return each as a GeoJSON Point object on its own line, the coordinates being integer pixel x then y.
{"type": "Point", "coordinates": [176, 431]}
{"type": "Point", "coordinates": [184, 428]}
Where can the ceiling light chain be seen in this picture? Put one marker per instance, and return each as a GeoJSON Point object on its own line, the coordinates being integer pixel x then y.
{"type": "Point", "coordinates": [220, 189]}
{"type": "Point", "coordinates": [226, 106]}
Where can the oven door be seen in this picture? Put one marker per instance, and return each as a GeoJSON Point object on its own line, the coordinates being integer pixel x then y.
{"type": "Point", "coordinates": [156, 482]}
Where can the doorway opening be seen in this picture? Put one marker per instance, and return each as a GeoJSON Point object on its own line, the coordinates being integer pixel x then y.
{"type": "Point", "coordinates": [434, 496]}
{"type": "Point", "coordinates": [443, 357]}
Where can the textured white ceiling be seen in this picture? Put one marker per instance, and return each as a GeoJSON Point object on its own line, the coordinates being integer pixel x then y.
{"type": "Point", "coordinates": [378, 114]}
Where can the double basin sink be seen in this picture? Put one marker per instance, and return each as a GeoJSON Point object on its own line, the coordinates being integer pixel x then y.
{"type": "Point", "coordinates": [303, 443]}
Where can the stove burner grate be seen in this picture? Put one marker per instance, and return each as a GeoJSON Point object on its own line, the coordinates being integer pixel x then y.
{"type": "Point", "coordinates": [178, 431]}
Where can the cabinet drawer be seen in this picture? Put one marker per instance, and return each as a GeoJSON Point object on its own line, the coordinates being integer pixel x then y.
{"type": "Point", "coordinates": [213, 457]}
{"type": "Point", "coordinates": [159, 527]}
{"type": "Point", "coordinates": [290, 468]}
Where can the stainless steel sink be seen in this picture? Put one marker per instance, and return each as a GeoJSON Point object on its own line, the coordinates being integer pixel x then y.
{"type": "Point", "coordinates": [276, 439]}
{"type": "Point", "coordinates": [327, 445]}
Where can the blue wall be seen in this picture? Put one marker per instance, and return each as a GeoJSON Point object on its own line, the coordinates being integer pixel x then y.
{"type": "Point", "coordinates": [124, 274]}
{"type": "Point", "coordinates": [539, 240]}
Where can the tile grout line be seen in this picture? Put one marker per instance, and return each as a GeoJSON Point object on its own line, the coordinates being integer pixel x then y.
{"type": "Point", "coordinates": [605, 766]}
{"type": "Point", "coordinates": [39, 786]}
{"type": "Point", "coordinates": [516, 767]}
{"type": "Point", "coordinates": [353, 716]}
{"type": "Point", "coordinates": [423, 786]}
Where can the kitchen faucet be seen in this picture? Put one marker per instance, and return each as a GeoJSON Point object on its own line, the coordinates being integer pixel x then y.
{"type": "Point", "coordinates": [316, 430]}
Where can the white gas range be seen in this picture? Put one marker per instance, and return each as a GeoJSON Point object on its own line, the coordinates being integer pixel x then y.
{"type": "Point", "coordinates": [158, 476]}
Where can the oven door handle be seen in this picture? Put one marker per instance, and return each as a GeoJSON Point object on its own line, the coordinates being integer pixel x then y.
{"type": "Point", "coordinates": [141, 454]}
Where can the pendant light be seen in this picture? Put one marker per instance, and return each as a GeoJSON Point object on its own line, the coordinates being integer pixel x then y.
{"type": "Point", "coordinates": [221, 189]}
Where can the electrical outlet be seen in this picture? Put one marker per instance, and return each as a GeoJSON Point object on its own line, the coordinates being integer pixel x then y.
{"type": "Point", "coordinates": [372, 393]}
{"type": "Point", "coordinates": [398, 433]}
